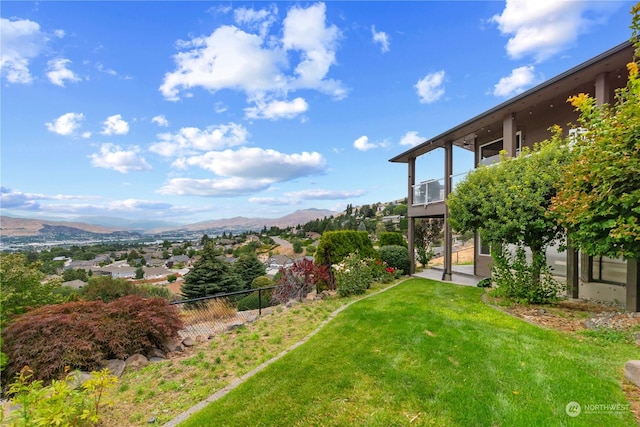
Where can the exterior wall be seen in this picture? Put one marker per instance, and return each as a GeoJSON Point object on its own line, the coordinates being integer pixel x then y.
{"type": "Point", "coordinates": [603, 292]}
{"type": "Point", "coordinates": [482, 265]}
{"type": "Point", "coordinates": [430, 210]}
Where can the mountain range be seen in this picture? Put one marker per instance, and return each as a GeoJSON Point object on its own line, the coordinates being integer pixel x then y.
{"type": "Point", "coordinates": [24, 227]}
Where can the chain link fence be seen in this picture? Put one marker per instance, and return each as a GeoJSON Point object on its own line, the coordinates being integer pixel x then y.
{"type": "Point", "coordinates": [213, 314]}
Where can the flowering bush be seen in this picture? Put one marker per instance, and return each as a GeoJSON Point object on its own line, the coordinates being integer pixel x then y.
{"type": "Point", "coordinates": [353, 275]}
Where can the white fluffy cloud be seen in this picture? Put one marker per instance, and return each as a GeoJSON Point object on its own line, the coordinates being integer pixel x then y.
{"type": "Point", "coordinates": [66, 124]}
{"type": "Point", "coordinates": [380, 37]}
{"type": "Point", "coordinates": [160, 121]}
{"type": "Point", "coordinates": [258, 163]}
{"type": "Point", "coordinates": [542, 28]}
{"type": "Point", "coordinates": [20, 41]}
{"type": "Point", "coordinates": [430, 87]}
{"type": "Point", "coordinates": [412, 139]}
{"type": "Point", "coordinates": [114, 157]}
{"type": "Point", "coordinates": [225, 187]}
{"type": "Point", "coordinates": [115, 125]}
{"type": "Point", "coordinates": [14, 199]}
{"type": "Point", "coordinates": [518, 81]}
{"type": "Point", "coordinates": [191, 140]}
{"type": "Point", "coordinates": [363, 144]}
{"type": "Point", "coordinates": [277, 109]}
{"type": "Point", "coordinates": [259, 64]}
{"type": "Point", "coordinates": [58, 72]}
{"type": "Point", "coordinates": [260, 20]}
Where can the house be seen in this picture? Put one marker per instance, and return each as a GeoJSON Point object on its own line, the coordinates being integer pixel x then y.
{"type": "Point", "coordinates": [177, 259]}
{"type": "Point", "coordinates": [120, 271]}
{"type": "Point", "coordinates": [74, 284]}
{"type": "Point", "coordinates": [511, 125]}
{"type": "Point", "coordinates": [278, 261]}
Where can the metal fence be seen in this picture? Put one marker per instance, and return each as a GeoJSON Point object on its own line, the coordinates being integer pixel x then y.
{"type": "Point", "coordinates": [213, 314]}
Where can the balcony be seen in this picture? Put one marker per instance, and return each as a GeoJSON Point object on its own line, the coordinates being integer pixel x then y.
{"type": "Point", "coordinates": [432, 190]}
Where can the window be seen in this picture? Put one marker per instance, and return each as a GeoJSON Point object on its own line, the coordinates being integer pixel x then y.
{"type": "Point", "coordinates": [483, 247]}
{"type": "Point", "coordinates": [609, 270]}
{"type": "Point", "coordinates": [490, 152]}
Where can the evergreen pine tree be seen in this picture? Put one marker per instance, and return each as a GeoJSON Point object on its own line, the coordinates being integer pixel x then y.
{"type": "Point", "coordinates": [248, 267]}
{"type": "Point", "coordinates": [210, 275]}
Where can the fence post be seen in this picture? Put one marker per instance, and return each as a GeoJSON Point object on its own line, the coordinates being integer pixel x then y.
{"type": "Point", "coordinates": [259, 301]}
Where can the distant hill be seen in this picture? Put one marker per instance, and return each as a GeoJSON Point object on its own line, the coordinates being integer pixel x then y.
{"type": "Point", "coordinates": [125, 224]}
{"type": "Point", "coordinates": [299, 217]}
{"type": "Point", "coordinates": [23, 227]}
{"type": "Point", "coordinates": [15, 227]}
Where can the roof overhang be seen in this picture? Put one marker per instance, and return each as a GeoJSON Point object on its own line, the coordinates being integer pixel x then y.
{"type": "Point", "coordinates": [614, 59]}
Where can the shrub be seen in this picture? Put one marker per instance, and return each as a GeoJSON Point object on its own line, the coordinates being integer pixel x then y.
{"type": "Point", "coordinates": [85, 333]}
{"type": "Point", "coordinates": [396, 257]}
{"type": "Point", "coordinates": [106, 288]}
{"type": "Point", "coordinates": [298, 280]}
{"type": "Point", "coordinates": [254, 301]}
{"type": "Point", "coordinates": [518, 280]}
{"type": "Point", "coordinates": [261, 282]}
{"type": "Point", "coordinates": [334, 246]}
{"type": "Point", "coordinates": [59, 403]}
{"type": "Point", "coordinates": [391, 238]}
{"type": "Point", "coordinates": [380, 271]}
{"type": "Point", "coordinates": [353, 276]}
{"type": "Point", "coordinates": [251, 301]}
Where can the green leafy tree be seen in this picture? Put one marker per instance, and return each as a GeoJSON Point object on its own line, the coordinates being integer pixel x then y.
{"type": "Point", "coordinates": [210, 275]}
{"type": "Point", "coordinates": [297, 246]}
{"type": "Point", "coordinates": [139, 273]}
{"type": "Point", "coordinates": [75, 274]}
{"type": "Point", "coordinates": [248, 267]}
{"type": "Point", "coordinates": [133, 256]}
{"type": "Point", "coordinates": [508, 202]}
{"type": "Point", "coordinates": [400, 209]}
{"type": "Point", "coordinates": [599, 193]}
{"type": "Point", "coordinates": [22, 287]}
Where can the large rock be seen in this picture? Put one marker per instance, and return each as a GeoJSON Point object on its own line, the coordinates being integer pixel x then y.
{"type": "Point", "coordinates": [77, 378]}
{"type": "Point", "coordinates": [157, 353]}
{"type": "Point", "coordinates": [632, 371]}
{"type": "Point", "coordinates": [234, 325]}
{"type": "Point", "coordinates": [173, 344]}
{"type": "Point", "coordinates": [137, 361]}
{"type": "Point", "coordinates": [188, 342]}
{"type": "Point", "coordinates": [116, 367]}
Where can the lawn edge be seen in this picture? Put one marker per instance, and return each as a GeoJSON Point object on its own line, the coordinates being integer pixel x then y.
{"type": "Point", "coordinates": [183, 416]}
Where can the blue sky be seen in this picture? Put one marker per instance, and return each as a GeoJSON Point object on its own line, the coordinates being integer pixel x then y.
{"type": "Point", "coordinates": [191, 111]}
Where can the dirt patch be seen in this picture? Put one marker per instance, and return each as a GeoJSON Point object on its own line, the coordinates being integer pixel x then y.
{"type": "Point", "coordinates": [462, 256]}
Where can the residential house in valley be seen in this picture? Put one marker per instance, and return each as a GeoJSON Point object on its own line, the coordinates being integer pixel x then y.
{"type": "Point", "coordinates": [519, 122]}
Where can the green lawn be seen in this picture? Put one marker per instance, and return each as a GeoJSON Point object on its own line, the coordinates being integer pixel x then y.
{"type": "Point", "coordinates": [428, 353]}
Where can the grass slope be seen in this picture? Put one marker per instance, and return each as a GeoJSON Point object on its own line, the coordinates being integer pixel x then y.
{"type": "Point", "coordinates": [428, 353]}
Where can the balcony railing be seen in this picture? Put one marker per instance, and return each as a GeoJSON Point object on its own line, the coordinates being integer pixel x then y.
{"type": "Point", "coordinates": [432, 190]}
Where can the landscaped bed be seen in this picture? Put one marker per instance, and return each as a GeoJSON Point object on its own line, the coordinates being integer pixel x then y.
{"type": "Point", "coordinates": [429, 353]}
